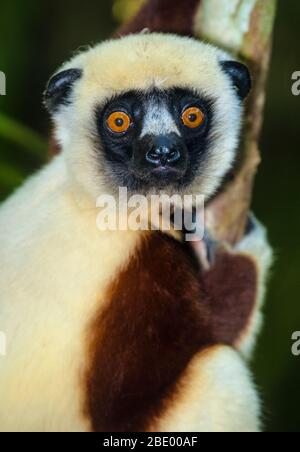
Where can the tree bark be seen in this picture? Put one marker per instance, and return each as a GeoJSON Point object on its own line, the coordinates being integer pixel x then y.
{"type": "Point", "coordinates": [244, 27]}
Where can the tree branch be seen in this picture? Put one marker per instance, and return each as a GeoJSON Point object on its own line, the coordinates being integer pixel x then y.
{"type": "Point", "coordinates": [245, 28]}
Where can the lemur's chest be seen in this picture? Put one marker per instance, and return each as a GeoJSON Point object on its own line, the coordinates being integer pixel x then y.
{"type": "Point", "coordinates": [144, 338]}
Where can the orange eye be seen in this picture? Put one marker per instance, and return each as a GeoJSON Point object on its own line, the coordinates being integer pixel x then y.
{"type": "Point", "coordinates": [193, 117]}
{"type": "Point", "coordinates": [118, 122]}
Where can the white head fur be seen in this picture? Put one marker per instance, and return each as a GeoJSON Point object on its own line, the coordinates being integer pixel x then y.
{"type": "Point", "coordinates": [143, 62]}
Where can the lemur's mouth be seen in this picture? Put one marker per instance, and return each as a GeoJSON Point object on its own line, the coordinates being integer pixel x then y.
{"type": "Point", "coordinates": [166, 170]}
{"type": "Point", "coordinates": [159, 178]}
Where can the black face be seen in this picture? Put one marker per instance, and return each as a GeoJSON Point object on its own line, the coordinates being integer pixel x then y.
{"type": "Point", "coordinates": [154, 140]}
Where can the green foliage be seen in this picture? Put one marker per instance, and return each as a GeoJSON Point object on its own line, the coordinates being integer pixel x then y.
{"type": "Point", "coordinates": [32, 146]}
{"type": "Point", "coordinates": [23, 137]}
{"type": "Point", "coordinates": [123, 10]}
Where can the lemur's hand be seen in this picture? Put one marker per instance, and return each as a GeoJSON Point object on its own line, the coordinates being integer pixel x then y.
{"type": "Point", "coordinates": [207, 249]}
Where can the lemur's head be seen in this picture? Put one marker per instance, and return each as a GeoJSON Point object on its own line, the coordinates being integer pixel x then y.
{"type": "Point", "coordinates": [150, 112]}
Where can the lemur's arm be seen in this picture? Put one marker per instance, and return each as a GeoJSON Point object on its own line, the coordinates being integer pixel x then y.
{"type": "Point", "coordinates": [189, 323]}
{"type": "Point", "coordinates": [256, 246]}
{"type": "Point", "coordinates": [235, 284]}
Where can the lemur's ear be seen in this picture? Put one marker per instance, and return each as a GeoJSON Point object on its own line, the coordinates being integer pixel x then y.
{"type": "Point", "coordinates": [240, 76]}
{"type": "Point", "coordinates": [59, 88]}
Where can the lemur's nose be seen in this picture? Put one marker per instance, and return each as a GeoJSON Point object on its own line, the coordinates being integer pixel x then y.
{"type": "Point", "coordinates": [162, 156]}
{"type": "Point", "coordinates": [163, 153]}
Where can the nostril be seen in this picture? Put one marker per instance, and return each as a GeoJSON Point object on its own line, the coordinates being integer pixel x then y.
{"type": "Point", "coordinates": [173, 156]}
{"type": "Point", "coordinates": [154, 156]}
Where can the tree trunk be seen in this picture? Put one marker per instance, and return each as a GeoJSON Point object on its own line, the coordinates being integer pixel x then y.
{"type": "Point", "coordinates": [244, 27]}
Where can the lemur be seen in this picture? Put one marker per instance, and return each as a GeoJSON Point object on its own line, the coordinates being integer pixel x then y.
{"type": "Point", "coordinates": [119, 331]}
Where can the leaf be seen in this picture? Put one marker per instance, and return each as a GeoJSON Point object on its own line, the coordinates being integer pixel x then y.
{"type": "Point", "coordinates": [123, 10]}
{"type": "Point", "coordinates": [24, 137]}
{"type": "Point", "coordinates": [10, 176]}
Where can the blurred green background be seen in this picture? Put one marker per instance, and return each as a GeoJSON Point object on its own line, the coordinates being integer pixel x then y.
{"type": "Point", "coordinates": [36, 37]}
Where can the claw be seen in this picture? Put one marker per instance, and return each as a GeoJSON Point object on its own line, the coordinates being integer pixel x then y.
{"type": "Point", "coordinates": [211, 248]}
{"type": "Point", "coordinates": [205, 249]}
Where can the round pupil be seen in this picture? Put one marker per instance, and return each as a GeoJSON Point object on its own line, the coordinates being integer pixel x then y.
{"type": "Point", "coordinates": [119, 122]}
{"type": "Point", "coordinates": [192, 117]}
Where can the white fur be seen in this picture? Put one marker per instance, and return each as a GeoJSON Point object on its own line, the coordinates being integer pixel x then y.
{"type": "Point", "coordinates": [225, 21]}
{"type": "Point", "coordinates": [215, 394]}
{"type": "Point", "coordinates": [158, 120]}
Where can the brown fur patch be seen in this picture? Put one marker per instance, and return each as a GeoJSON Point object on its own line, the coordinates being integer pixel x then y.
{"type": "Point", "coordinates": [166, 16]}
{"type": "Point", "coordinates": [160, 312]}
